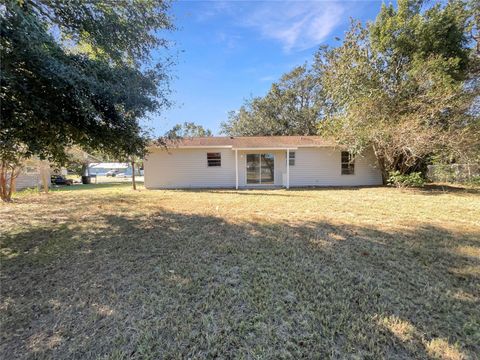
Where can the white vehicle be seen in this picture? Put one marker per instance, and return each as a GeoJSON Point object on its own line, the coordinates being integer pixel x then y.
{"type": "Point", "coordinates": [112, 173]}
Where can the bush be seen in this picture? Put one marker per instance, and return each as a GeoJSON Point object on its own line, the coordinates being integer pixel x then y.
{"type": "Point", "coordinates": [414, 179]}
{"type": "Point", "coordinates": [474, 181]}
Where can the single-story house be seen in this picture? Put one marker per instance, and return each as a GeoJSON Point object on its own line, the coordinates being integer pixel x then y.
{"type": "Point", "coordinates": [104, 167]}
{"type": "Point", "coordinates": [31, 174]}
{"type": "Point", "coordinates": [257, 161]}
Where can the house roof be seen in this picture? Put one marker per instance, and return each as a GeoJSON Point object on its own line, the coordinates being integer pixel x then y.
{"type": "Point", "coordinates": [109, 165]}
{"type": "Point", "coordinates": [251, 142]}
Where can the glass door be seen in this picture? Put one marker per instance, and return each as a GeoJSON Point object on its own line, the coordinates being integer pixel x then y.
{"type": "Point", "coordinates": [260, 169]}
{"type": "Point", "coordinates": [253, 168]}
{"type": "Point", "coordinates": [267, 169]}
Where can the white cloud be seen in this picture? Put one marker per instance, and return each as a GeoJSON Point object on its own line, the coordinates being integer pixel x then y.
{"type": "Point", "coordinates": [231, 41]}
{"type": "Point", "coordinates": [296, 25]}
{"type": "Point", "coordinates": [211, 9]}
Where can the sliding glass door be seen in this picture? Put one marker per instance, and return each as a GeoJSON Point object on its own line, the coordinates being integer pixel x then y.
{"type": "Point", "coordinates": [266, 169]}
{"type": "Point", "coordinates": [260, 169]}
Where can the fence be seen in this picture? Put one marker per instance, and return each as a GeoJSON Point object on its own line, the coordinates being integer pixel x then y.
{"type": "Point", "coordinates": [454, 173]}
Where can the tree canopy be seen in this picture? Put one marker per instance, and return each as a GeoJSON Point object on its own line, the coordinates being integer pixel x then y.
{"type": "Point", "coordinates": [187, 129]}
{"type": "Point", "coordinates": [400, 85]}
{"type": "Point", "coordinates": [405, 85]}
{"type": "Point", "coordinates": [80, 73]}
{"type": "Point", "coordinates": [291, 107]}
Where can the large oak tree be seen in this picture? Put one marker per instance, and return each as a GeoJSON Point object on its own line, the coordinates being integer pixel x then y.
{"type": "Point", "coordinates": [403, 86]}
{"type": "Point", "coordinates": [406, 85]}
{"type": "Point", "coordinates": [77, 72]}
{"type": "Point", "coordinates": [292, 106]}
{"type": "Point", "coordinates": [187, 129]}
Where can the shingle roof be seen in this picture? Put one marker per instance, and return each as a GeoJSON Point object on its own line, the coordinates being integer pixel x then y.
{"type": "Point", "coordinates": [110, 165]}
{"type": "Point", "coordinates": [251, 142]}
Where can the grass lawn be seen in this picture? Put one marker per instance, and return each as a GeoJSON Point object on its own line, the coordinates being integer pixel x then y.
{"type": "Point", "coordinates": [106, 272]}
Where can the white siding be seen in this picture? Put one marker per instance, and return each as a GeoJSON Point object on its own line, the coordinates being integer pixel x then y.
{"type": "Point", "coordinates": [187, 168]}
{"type": "Point", "coordinates": [322, 167]}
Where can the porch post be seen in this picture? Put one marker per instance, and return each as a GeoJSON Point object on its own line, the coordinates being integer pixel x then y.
{"type": "Point", "coordinates": [288, 168]}
{"type": "Point", "coordinates": [236, 169]}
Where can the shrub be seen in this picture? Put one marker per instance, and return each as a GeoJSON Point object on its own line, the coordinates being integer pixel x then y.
{"type": "Point", "coordinates": [474, 180]}
{"type": "Point", "coordinates": [414, 179]}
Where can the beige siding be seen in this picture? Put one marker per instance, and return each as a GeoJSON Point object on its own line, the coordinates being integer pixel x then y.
{"type": "Point", "coordinates": [29, 180]}
{"type": "Point", "coordinates": [187, 168]}
{"type": "Point", "coordinates": [322, 167]}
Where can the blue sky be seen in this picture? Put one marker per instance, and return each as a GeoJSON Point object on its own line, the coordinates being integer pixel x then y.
{"type": "Point", "coordinates": [230, 50]}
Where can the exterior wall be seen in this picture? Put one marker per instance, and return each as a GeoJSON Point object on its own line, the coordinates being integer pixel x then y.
{"type": "Point", "coordinates": [322, 167]}
{"type": "Point", "coordinates": [187, 168]}
{"type": "Point", "coordinates": [29, 180]}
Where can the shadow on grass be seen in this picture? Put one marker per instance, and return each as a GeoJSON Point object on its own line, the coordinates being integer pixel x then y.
{"type": "Point", "coordinates": [267, 191]}
{"type": "Point", "coordinates": [122, 184]}
{"type": "Point", "coordinates": [175, 285]}
{"type": "Point", "coordinates": [439, 189]}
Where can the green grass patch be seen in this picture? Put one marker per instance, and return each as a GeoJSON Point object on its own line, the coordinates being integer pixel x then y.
{"type": "Point", "coordinates": [109, 272]}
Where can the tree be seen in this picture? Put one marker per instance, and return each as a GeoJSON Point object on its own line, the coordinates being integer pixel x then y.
{"type": "Point", "coordinates": [11, 165]}
{"type": "Point", "coordinates": [79, 159]}
{"type": "Point", "coordinates": [293, 106]}
{"type": "Point", "coordinates": [400, 85]}
{"type": "Point", "coordinates": [187, 129]}
{"type": "Point", "coordinates": [79, 73]}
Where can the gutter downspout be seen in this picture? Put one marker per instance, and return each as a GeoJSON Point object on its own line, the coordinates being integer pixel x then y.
{"type": "Point", "coordinates": [236, 169]}
{"type": "Point", "coordinates": [288, 168]}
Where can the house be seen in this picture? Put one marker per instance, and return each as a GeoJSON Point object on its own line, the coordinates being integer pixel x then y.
{"type": "Point", "coordinates": [257, 161]}
{"type": "Point", "coordinates": [103, 168]}
{"type": "Point", "coordinates": [31, 173]}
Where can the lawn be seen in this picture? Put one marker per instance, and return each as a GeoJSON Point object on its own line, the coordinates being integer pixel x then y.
{"type": "Point", "coordinates": [107, 272]}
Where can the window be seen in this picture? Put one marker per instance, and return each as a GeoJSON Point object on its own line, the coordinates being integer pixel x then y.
{"type": "Point", "coordinates": [348, 163]}
{"type": "Point", "coordinates": [291, 158]}
{"type": "Point", "coordinates": [214, 159]}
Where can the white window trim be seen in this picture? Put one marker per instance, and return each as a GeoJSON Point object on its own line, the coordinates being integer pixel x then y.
{"type": "Point", "coordinates": [294, 158]}
{"type": "Point", "coordinates": [214, 166]}
{"type": "Point", "coordinates": [352, 162]}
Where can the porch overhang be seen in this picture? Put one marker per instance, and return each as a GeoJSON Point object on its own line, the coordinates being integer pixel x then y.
{"type": "Point", "coordinates": [266, 148]}
{"type": "Point", "coordinates": [287, 149]}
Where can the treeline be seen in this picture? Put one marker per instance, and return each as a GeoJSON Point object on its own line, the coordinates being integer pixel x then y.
{"type": "Point", "coordinates": [406, 85]}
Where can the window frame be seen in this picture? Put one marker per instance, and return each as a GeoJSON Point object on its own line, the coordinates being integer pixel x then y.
{"type": "Point", "coordinates": [260, 160]}
{"type": "Point", "coordinates": [291, 159]}
{"type": "Point", "coordinates": [214, 159]}
{"type": "Point", "coordinates": [347, 167]}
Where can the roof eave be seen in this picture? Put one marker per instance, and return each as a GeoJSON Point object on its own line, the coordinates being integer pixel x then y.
{"type": "Point", "coordinates": [200, 147]}
{"type": "Point", "coordinates": [267, 148]}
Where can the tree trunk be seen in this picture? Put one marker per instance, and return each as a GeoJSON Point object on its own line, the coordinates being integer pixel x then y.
{"type": "Point", "coordinates": [8, 183]}
{"type": "Point", "coordinates": [84, 169]}
{"type": "Point", "coordinates": [44, 168]}
{"type": "Point", "coordinates": [12, 184]}
{"type": "Point", "coordinates": [381, 165]}
{"type": "Point", "coordinates": [134, 185]}
{"type": "Point", "coordinates": [3, 182]}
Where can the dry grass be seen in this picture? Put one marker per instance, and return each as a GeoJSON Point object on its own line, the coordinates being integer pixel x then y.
{"type": "Point", "coordinates": [357, 273]}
